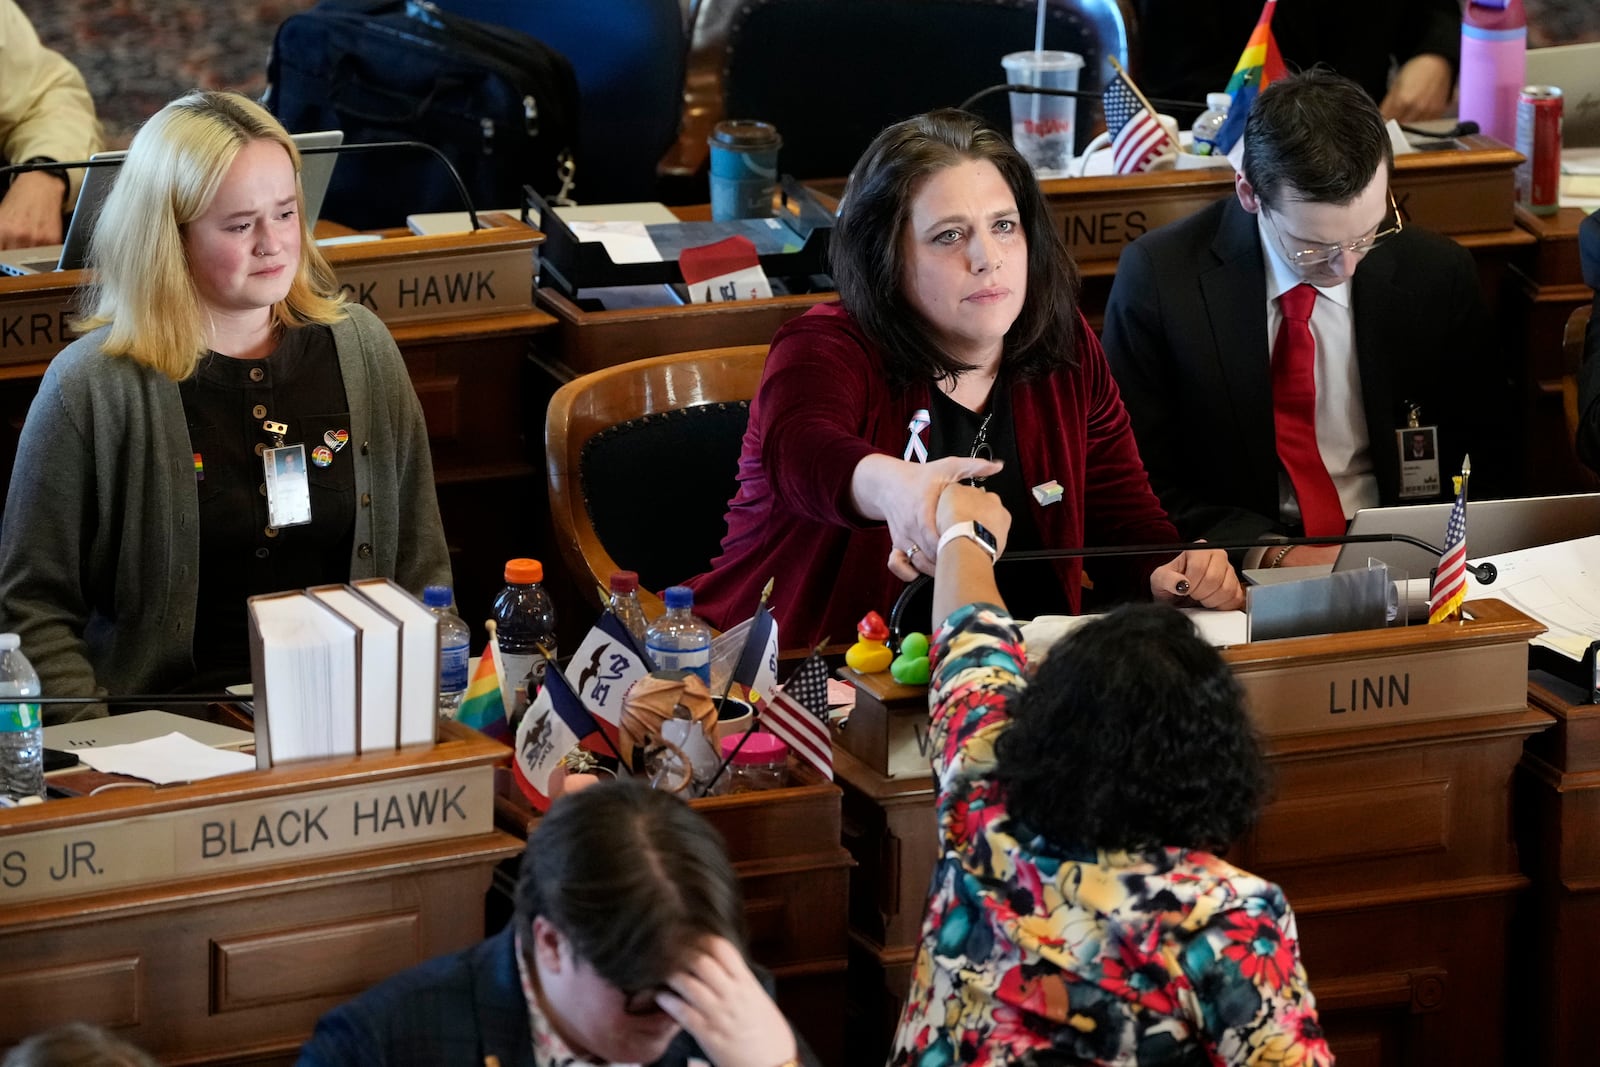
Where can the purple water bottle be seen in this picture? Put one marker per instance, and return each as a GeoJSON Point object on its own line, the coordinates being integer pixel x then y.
{"type": "Point", "coordinates": [1494, 65]}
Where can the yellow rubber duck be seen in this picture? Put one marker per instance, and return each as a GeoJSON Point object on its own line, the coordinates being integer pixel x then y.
{"type": "Point", "coordinates": [871, 653]}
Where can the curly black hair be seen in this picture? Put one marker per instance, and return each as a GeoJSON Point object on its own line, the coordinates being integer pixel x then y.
{"type": "Point", "coordinates": [1134, 736]}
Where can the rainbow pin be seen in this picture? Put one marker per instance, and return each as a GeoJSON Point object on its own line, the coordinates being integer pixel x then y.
{"type": "Point", "coordinates": [199, 468]}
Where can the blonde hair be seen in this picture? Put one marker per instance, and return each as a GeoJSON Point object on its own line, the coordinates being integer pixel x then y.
{"type": "Point", "coordinates": [142, 288]}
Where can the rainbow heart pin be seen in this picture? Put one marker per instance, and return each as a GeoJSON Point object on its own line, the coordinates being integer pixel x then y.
{"type": "Point", "coordinates": [336, 439]}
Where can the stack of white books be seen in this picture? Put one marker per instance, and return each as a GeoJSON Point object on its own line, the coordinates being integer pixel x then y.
{"type": "Point", "coordinates": [342, 669]}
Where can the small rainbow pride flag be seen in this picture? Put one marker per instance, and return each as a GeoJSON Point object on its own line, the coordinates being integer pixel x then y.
{"type": "Point", "coordinates": [481, 706]}
{"type": "Point", "coordinates": [1260, 64]}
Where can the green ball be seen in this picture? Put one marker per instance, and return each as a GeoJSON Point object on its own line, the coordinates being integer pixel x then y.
{"type": "Point", "coordinates": [914, 645]}
{"type": "Point", "coordinates": [910, 670]}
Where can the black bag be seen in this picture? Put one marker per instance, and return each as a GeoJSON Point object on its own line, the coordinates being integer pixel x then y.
{"type": "Point", "coordinates": [502, 106]}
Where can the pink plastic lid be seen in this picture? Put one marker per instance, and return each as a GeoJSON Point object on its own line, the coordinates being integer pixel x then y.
{"type": "Point", "coordinates": [759, 747]}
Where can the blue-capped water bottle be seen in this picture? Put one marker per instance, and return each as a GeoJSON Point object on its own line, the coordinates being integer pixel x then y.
{"type": "Point", "coordinates": [455, 649]}
{"type": "Point", "coordinates": [678, 641]}
{"type": "Point", "coordinates": [21, 729]}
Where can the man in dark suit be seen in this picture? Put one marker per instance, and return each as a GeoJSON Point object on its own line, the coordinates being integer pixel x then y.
{"type": "Point", "coordinates": [1271, 348]}
{"type": "Point", "coordinates": [625, 947]}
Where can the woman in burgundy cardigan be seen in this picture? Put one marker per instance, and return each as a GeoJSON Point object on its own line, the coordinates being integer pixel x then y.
{"type": "Point", "coordinates": [956, 352]}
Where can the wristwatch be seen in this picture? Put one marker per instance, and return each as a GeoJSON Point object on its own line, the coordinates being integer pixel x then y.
{"type": "Point", "coordinates": [54, 172]}
{"type": "Point", "coordinates": [975, 530]}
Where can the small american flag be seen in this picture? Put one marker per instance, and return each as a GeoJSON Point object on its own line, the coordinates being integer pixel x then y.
{"type": "Point", "coordinates": [1450, 581]}
{"type": "Point", "coordinates": [798, 713]}
{"type": "Point", "coordinates": [1137, 137]}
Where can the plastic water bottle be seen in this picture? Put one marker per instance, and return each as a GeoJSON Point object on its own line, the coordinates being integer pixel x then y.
{"type": "Point", "coordinates": [524, 619]}
{"type": "Point", "coordinates": [21, 730]}
{"type": "Point", "coordinates": [1209, 124]}
{"type": "Point", "coordinates": [625, 604]}
{"type": "Point", "coordinates": [678, 641]}
{"type": "Point", "coordinates": [455, 649]}
{"type": "Point", "coordinates": [1494, 65]}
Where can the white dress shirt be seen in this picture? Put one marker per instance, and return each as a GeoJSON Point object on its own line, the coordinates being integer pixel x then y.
{"type": "Point", "coordinates": [1342, 435]}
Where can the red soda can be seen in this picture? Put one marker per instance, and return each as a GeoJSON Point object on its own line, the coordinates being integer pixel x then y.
{"type": "Point", "coordinates": [1539, 141]}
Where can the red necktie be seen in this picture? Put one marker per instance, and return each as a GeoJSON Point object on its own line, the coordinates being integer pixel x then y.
{"type": "Point", "coordinates": [1294, 415]}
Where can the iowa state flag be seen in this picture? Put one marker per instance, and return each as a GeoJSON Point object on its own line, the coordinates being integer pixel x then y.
{"type": "Point", "coordinates": [601, 672]}
{"type": "Point", "coordinates": [1260, 65]}
{"type": "Point", "coordinates": [554, 724]}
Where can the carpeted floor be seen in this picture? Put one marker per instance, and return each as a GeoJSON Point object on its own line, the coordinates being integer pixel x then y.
{"type": "Point", "coordinates": [138, 54]}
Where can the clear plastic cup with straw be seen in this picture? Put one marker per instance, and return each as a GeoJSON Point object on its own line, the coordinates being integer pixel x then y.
{"type": "Point", "coordinates": [1043, 127]}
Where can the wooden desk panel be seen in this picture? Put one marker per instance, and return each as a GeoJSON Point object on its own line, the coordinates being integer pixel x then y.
{"type": "Point", "coordinates": [1558, 796]}
{"type": "Point", "coordinates": [237, 966]}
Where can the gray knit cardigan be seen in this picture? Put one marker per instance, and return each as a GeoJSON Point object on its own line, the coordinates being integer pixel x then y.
{"type": "Point", "coordinates": [99, 548]}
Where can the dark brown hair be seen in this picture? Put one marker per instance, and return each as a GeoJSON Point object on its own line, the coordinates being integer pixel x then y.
{"type": "Point", "coordinates": [867, 265]}
{"type": "Point", "coordinates": [1316, 136]}
{"type": "Point", "coordinates": [633, 878]}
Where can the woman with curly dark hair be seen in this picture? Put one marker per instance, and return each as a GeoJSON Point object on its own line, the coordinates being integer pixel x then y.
{"type": "Point", "coordinates": [1080, 912]}
{"type": "Point", "coordinates": [956, 351]}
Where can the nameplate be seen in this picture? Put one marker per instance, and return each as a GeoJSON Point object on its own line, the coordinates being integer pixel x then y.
{"type": "Point", "coordinates": [1466, 190]}
{"type": "Point", "coordinates": [33, 320]}
{"type": "Point", "coordinates": [446, 285]}
{"type": "Point", "coordinates": [1367, 691]}
{"type": "Point", "coordinates": [219, 839]}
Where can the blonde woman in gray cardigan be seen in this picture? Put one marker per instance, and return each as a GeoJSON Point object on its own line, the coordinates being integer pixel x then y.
{"type": "Point", "coordinates": [152, 491]}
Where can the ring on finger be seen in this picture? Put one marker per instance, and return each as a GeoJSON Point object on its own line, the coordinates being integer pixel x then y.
{"type": "Point", "coordinates": [911, 553]}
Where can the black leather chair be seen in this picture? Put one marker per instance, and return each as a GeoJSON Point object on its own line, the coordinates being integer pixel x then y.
{"type": "Point", "coordinates": [831, 73]}
{"type": "Point", "coordinates": [642, 461]}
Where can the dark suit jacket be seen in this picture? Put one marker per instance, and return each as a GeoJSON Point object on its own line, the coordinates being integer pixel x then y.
{"type": "Point", "coordinates": [1186, 336]}
{"type": "Point", "coordinates": [453, 1011]}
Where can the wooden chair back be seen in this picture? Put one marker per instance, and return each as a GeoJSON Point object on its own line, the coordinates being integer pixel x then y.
{"type": "Point", "coordinates": [661, 439]}
{"type": "Point", "coordinates": [1572, 353]}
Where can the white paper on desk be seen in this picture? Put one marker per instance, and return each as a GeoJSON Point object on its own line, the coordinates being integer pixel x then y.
{"type": "Point", "coordinates": [1217, 628]}
{"type": "Point", "coordinates": [625, 242]}
{"type": "Point", "coordinates": [167, 759]}
{"type": "Point", "coordinates": [1558, 585]}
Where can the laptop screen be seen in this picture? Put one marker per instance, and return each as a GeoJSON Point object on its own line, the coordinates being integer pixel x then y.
{"type": "Point", "coordinates": [316, 171]}
{"type": "Point", "coordinates": [1493, 526]}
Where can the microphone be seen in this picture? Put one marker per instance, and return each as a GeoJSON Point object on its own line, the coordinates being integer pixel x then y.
{"type": "Point", "coordinates": [1076, 94]}
{"type": "Point", "coordinates": [1485, 573]}
{"type": "Point", "coordinates": [316, 150]}
{"type": "Point", "coordinates": [450, 168]}
{"type": "Point", "coordinates": [144, 699]}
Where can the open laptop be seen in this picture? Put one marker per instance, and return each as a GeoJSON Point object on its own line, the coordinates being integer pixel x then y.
{"type": "Point", "coordinates": [1493, 526]}
{"type": "Point", "coordinates": [141, 726]}
{"type": "Point", "coordinates": [1575, 68]}
{"type": "Point", "coordinates": [316, 171]}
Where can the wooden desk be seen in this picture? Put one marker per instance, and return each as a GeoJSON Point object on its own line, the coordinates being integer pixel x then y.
{"type": "Point", "coordinates": [1392, 840]}
{"type": "Point", "coordinates": [221, 941]}
{"type": "Point", "coordinates": [784, 844]}
{"type": "Point", "coordinates": [460, 307]}
{"type": "Point", "coordinates": [1558, 811]}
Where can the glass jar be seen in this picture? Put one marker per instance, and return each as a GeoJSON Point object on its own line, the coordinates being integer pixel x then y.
{"type": "Point", "coordinates": [761, 763]}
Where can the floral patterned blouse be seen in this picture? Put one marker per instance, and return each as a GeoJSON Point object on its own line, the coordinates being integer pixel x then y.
{"type": "Point", "coordinates": [1034, 953]}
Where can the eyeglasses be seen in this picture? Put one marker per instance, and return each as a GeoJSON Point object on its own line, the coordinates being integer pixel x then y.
{"type": "Point", "coordinates": [1316, 257]}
